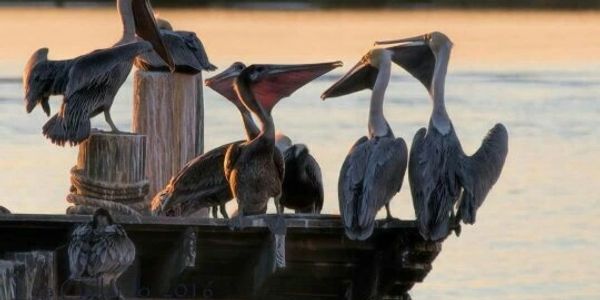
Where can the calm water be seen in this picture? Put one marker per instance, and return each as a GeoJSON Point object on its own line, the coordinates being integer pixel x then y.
{"type": "Point", "coordinates": [536, 235]}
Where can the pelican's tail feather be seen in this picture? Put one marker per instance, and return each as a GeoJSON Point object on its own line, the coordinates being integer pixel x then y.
{"type": "Point", "coordinates": [56, 130]}
{"type": "Point", "coordinates": [360, 233]}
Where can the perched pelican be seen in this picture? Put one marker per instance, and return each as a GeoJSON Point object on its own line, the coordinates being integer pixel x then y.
{"type": "Point", "coordinates": [185, 47]}
{"type": "Point", "coordinates": [100, 251]}
{"type": "Point", "coordinates": [374, 169]}
{"type": "Point", "coordinates": [254, 172]}
{"type": "Point", "coordinates": [92, 79]}
{"type": "Point", "coordinates": [202, 183]}
{"type": "Point", "coordinates": [441, 175]}
{"type": "Point", "coordinates": [302, 188]}
{"type": "Point", "coordinates": [4, 211]}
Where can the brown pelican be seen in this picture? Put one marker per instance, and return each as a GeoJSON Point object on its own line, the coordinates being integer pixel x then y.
{"type": "Point", "coordinates": [93, 79]}
{"type": "Point", "coordinates": [254, 173]}
{"type": "Point", "coordinates": [186, 49]}
{"type": "Point", "coordinates": [202, 183]}
{"type": "Point", "coordinates": [374, 169]}
{"type": "Point", "coordinates": [302, 188]}
{"type": "Point", "coordinates": [100, 252]}
{"type": "Point", "coordinates": [441, 175]}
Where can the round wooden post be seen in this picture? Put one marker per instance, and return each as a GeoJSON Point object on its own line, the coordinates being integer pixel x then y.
{"type": "Point", "coordinates": [110, 173]}
{"type": "Point", "coordinates": [168, 109]}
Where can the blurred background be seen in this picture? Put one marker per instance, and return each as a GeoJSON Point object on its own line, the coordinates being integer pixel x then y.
{"type": "Point", "coordinates": [557, 4]}
{"type": "Point", "coordinates": [533, 67]}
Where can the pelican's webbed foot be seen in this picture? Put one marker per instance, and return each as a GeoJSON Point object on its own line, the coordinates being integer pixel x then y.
{"type": "Point", "coordinates": [236, 222]}
{"type": "Point", "coordinates": [223, 211]}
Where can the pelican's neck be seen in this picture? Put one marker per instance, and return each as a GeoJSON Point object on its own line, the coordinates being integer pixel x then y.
{"type": "Point", "coordinates": [126, 12]}
{"type": "Point", "coordinates": [267, 130]}
{"type": "Point", "coordinates": [378, 125]}
{"type": "Point", "coordinates": [439, 117]}
{"type": "Point", "coordinates": [252, 130]}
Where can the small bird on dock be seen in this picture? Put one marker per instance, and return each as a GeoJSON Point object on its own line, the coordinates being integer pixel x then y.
{"type": "Point", "coordinates": [441, 175]}
{"type": "Point", "coordinates": [185, 47]}
{"type": "Point", "coordinates": [99, 253]}
{"type": "Point", "coordinates": [201, 183]}
{"type": "Point", "coordinates": [302, 188]}
{"type": "Point", "coordinates": [374, 169]}
{"type": "Point", "coordinates": [92, 80]}
{"type": "Point", "coordinates": [252, 169]}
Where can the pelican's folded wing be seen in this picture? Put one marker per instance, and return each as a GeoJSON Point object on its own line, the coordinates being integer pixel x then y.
{"type": "Point", "coordinates": [351, 180]}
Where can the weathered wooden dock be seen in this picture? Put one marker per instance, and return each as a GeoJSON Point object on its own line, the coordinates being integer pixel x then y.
{"type": "Point", "coordinates": [205, 259]}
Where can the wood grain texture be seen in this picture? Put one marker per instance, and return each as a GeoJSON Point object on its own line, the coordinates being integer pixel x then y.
{"type": "Point", "coordinates": [110, 173]}
{"type": "Point", "coordinates": [167, 108]}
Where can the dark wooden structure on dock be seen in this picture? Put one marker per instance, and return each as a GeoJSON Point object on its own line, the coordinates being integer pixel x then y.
{"type": "Point", "coordinates": [204, 259]}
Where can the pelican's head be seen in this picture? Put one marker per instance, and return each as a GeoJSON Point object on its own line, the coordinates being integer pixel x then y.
{"type": "Point", "coordinates": [419, 55]}
{"type": "Point", "coordinates": [361, 76]}
{"type": "Point", "coordinates": [271, 83]}
{"type": "Point", "coordinates": [222, 83]}
{"type": "Point", "coordinates": [163, 24]}
{"type": "Point", "coordinates": [101, 219]}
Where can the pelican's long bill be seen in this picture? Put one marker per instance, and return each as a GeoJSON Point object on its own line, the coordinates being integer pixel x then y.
{"type": "Point", "coordinates": [361, 76]}
{"type": "Point", "coordinates": [275, 82]}
{"type": "Point", "coordinates": [414, 55]}
{"type": "Point", "coordinates": [147, 29]}
{"type": "Point", "coordinates": [222, 83]}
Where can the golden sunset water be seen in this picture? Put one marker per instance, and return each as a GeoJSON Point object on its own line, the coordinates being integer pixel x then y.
{"type": "Point", "coordinates": [538, 233]}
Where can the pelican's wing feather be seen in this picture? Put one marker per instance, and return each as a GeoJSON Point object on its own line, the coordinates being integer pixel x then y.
{"type": "Point", "coordinates": [479, 173]}
{"type": "Point", "coordinates": [79, 250]}
{"type": "Point", "coordinates": [313, 171]}
{"type": "Point", "coordinates": [350, 184]}
{"type": "Point", "coordinates": [383, 178]}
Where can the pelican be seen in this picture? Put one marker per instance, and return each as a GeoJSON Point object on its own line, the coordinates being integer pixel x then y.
{"type": "Point", "coordinates": [254, 173]}
{"type": "Point", "coordinates": [92, 80]}
{"type": "Point", "coordinates": [302, 188]}
{"type": "Point", "coordinates": [441, 175]}
{"type": "Point", "coordinates": [185, 47]}
{"type": "Point", "coordinates": [100, 251]}
{"type": "Point", "coordinates": [202, 183]}
{"type": "Point", "coordinates": [374, 169]}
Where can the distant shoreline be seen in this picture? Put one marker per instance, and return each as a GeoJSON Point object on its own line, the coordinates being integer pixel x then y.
{"type": "Point", "coordinates": [329, 4]}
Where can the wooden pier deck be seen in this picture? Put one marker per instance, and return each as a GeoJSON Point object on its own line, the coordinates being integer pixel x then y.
{"type": "Point", "coordinates": [205, 259]}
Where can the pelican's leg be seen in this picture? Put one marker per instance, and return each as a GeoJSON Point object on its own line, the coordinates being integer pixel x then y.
{"type": "Point", "coordinates": [278, 205]}
{"type": "Point", "coordinates": [389, 214]}
{"type": "Point", "coordinates": [110, 122]}
{"type": "Point", "coordinates": [236, 222]}
{"type": "Point", "coordinates": [455, 219]}
{"type": "Point", "coordinates": [215, 213]}
{"type": "Point", "coordinates": [115, 289]}
{"type": "Point", "coordinates": [223, 211]}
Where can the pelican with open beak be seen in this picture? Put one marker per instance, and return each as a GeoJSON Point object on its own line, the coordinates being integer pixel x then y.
{"type": "Point", "coordinates": [442, 177]}
{"type": "Point", "coordinates": [254, 173]}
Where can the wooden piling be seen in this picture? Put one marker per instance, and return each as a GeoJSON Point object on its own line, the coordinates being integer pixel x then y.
{"type": "Point", "coordinates": [110, 173]}
{"type": "Point", "coordinates": [167, 109]}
